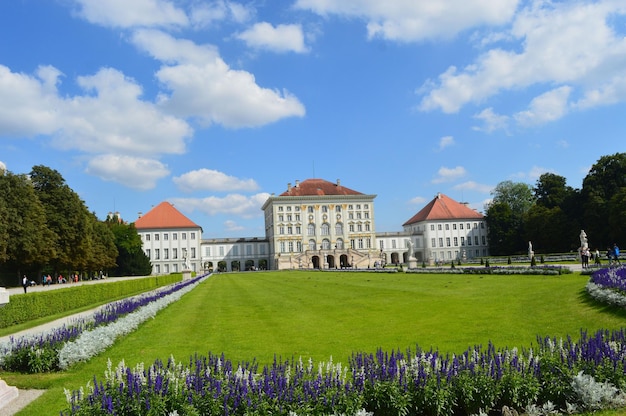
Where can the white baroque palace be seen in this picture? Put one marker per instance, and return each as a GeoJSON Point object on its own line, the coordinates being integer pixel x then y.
{"type": "Point", "coordinates": [320, 225]}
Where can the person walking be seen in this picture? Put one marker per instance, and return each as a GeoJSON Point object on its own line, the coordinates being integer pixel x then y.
{"type": "Point", "coordinates": [25, 283]}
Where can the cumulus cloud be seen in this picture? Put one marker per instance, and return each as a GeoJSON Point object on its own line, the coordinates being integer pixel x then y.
{"type": "Point", "coordinates": [3, 167]}
{"type": "Point", "coordinates": [410, 20]}
{"type": "Point", "coordinates": [125, 14]}
{"type": "Point", "coordinates": [135, 172]}
{"type": "Point", "coordinates": [122, 13]}
{"type": "Point", "coordinates": [231, 225]}
{"type": "Point", "coordinates": [206, 14]}
{"type": "Point", "coordinates": [110, 117]}
{"type": "Point", "coordinates": [449, 174]}
{"type": "Point", "coordinates": [282, 38]}
{"type": "Point", "coordinates": [491, 121]}
{"type": "Point", "coordinates": [213, 180]}
{"type": "Point", "coordinates": [561, 45]}
{"type": "Point", "coordinates": [418, 200]}
{"type": "Point", "coordinates": [29, 104]}
{"type": "Point", "coordinates": [547, 107]}
{"type": "Point", "coordinates": [446, 141]}
{"type": "Point", "coordinates": [203, 86]}
{"type": "Point", "coordinates": [234, 204]}
{"type": "Point", "coordinates": [473, 186]}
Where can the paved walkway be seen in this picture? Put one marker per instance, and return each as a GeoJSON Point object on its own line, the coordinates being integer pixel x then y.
{"type": "Point", "coordinates": [26, 396]}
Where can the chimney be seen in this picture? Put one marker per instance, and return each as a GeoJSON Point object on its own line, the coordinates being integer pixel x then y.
{"type": "Point", "coordinates": [338, 182]}
{"type": "Point", "coordinates": [289, 187]}
{"type": "Point", "coordinates": [297, 183]}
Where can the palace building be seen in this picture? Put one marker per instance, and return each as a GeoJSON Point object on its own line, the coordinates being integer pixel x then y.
{"type": "Point", "coordinates": [317, 224]}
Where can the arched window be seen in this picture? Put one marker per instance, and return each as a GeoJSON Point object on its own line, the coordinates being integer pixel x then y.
{"type": "Point", "coordinates": [310, 230]}
{"type": "Point", "coordinates": [312, 244]}
{"type": "Point", "coordinates": [325, 229]}
{"type": "Point", "coordinates": [339, 228]}
{"type": "Point", "coordinates": [326, 244]}
{"type": "Point", "coordinates": [340, 243]}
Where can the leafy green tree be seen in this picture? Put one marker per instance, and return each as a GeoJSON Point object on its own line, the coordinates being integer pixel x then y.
{"type": "Point", "coordinates": [505, 217]}
{"type": "Point", "coordinates": [67, 217]}
{"type": "Point", "coordinates": [103, 249]}
{"type": "Point", "coordinates": [605, 179]}
{"type": "Point", "coordinates": [552, 223]}
{"type": "Point", "coordinates": [502, 227]}
{"type": "Point", "coordinates": [25, 224]}
{"type": "Point", "coordinates": [131, 260]}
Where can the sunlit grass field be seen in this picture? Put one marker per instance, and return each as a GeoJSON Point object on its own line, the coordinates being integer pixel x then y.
{"type": "Point", "coordinates": [260, 315]}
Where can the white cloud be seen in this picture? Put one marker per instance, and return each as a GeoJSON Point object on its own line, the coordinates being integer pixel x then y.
{"type": "Point", "coordinates": [206, 14]}
{"type": "Point", "coordinates": [473, 186]}
{"type": "Point", "coordinates": [491, 121]}
{"type": "Point", "coordinates": [135, 172]}
{"type": "Point", "coordinates": [558, 43]}
{"type": "Point", "coordinates": [449, 174]}
{"type": "Point", "coordinates": [109, 118]}
{"type": "Point", "coordinates": [418, 200]}
{"type": "Point", "coordinates": [3, 167]}
{"type": "Point", "coordinates": [115, 120]}
{"type": "Point", "coordinates": [231, 225]}
{"type": "Point", "coordinates": [233, 204]}
{"type": "Point", "coordinates": [202, 85]}
{"type": "Point", "coordinates": [125, 14]}
{"type": "Point", "coordinates": [547, 107]}
{"type": "Point", "coordinates": [213, 180]}
{"type": "Point", "coordinates": [29, 105]}
{"type": "Point", "coordinates": [446, 141]}
{"type": "Point", "coordinates": [410, 20]}
{"type": "Point", "coordinates": [282, 38]}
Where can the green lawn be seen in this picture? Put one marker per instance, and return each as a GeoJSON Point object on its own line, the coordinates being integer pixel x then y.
{"type": "Point", "coordinates": [324, 314]}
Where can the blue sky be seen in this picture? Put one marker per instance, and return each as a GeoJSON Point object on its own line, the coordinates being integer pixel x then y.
{"type": "Point", "coordinates": [215, 105]}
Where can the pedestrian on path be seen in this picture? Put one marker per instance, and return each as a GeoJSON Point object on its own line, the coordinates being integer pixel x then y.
{"type": "Point", "coordinates": [25, 283]}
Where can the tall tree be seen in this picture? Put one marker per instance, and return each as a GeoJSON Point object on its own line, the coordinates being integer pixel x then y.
{"type": "Point", "coordinates": [102, 242]}
{"type": "Point", "coordinates": [502, 228]}
{"type": "Point", "coordinates": [28, 242]}
{"type": "Point", "coordinates": [505, 217]}
{"type": "Point", "coordinates": [552, 222]}
{"type": "Point", "coordinates": [605, 179]}
{"type": "Point", "coordinates": [131, 260]}
{"type": "Point", "coordinates": [67, 217]}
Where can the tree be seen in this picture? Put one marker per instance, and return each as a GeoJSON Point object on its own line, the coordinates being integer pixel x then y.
{"type": "Point", "coordinates": [517, 195]}
{"type": "Point", "coordinates": [104, 251]}
{"type": "Point", "coordinates": [552, 223]}
{"type": "Point", "coordinates": [551, 190]}
{"type": "Point", "coordinates": [67, 217]}
{"type": "Point", "coordinates": [505, 217]}
{"type": "Point", "coordinates": [131, 260]}
{"type": "Point", "coordinates": [605, 179]}
{"type": "Point", "coordinates": [501, 229]}
{"type": "Point", "coordinates": [24, 222]}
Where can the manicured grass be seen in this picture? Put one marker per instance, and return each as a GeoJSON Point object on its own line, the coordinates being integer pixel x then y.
{"type": "Point", "coordinates": [324, 314]}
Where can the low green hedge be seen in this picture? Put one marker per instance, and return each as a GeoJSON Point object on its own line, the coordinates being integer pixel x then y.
{"type": "Point", "coordinates": [25, 307]}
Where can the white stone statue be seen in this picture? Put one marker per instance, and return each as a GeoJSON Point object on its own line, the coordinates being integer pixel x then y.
{"type": "Point", "coordinates": [584, 244]}
{"type": "Point", "coordinates": [531, 253]}
{"type": "Point", "coordinates": [411, 255]}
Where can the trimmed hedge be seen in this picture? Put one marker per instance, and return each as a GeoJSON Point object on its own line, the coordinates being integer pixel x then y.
{"type": "Point", "coordinates": [25, 307]}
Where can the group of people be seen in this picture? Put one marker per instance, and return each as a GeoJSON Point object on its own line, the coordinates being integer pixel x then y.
{"type": "Point", "coordinates": [612, 254]}
{"type": "Point", "coordinates": [47, 280]}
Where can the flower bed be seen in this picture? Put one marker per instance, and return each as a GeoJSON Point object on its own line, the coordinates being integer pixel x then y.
{"type": "Point", "coordinates": [609, 286]}
{"type": "Point", "coordinates": [556, 375]}
{"type": "Point", "coordinates": [500, 270]}
{"type": "Point", "coordinates": [61, 347]}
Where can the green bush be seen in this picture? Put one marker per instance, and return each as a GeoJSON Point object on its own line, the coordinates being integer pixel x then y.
{"type": "Point", "coordinates": [26, 307]}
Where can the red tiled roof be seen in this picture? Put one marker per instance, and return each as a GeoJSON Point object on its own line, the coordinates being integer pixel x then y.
{"type": "Point", "coordinates": [164, 215]}
{"type": "Point", "coordinates": [443, 207]}
{"type": "Point", "coordinates": [318, 187]}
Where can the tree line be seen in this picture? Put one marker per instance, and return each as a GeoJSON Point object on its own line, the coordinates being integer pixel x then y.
{"type": "Point", "coordinates": [46, 228]}
{"type": "Point", "coordinates": [551, 213]}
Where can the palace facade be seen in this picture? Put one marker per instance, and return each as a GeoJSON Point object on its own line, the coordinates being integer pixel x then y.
{"type": "Point", "coordinates": [317, 224]}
